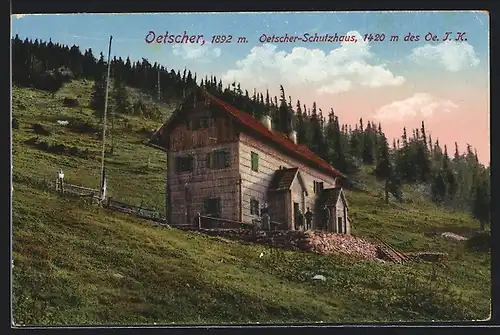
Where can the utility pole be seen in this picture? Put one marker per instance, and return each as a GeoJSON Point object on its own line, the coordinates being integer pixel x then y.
{"type": "Point", "coordinates": [113, 130]}
{"type": "Point", "coordinates": [159, 85]}
{"type": "Point", "coordinates": [104, 120]}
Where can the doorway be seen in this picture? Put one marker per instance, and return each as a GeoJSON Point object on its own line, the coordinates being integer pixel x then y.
{"type": "Point", "coordinates": [187, 207]}
{"type": "Point", "coordinates": [296, 209]}
{"type": "Point", "coordinates": [339, 225]}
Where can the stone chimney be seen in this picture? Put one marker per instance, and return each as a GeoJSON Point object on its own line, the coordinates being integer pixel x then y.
{"type": "Point", "coordinates": [266, 121]}
{"type": "Point", "coordinates": [293, 136]}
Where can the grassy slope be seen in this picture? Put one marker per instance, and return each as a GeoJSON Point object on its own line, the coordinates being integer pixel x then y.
{"type": "Point", "coordinates": [77, 264]}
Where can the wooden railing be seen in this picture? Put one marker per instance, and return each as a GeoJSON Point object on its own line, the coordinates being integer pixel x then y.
{"type": "Point", "coordinates": [139, 211]}
{"type": "Point", "coordinates": [389, 251]}
{"type": "Point", "coordinates": [220, 223]}
{"type": "Point", "coordinates": [77, 190]}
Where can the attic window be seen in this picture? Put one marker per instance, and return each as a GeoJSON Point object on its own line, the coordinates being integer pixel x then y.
{"type": "Point", "coordinates": [202, 122]}
{"type": "Point", "coordinates": [318, 187]}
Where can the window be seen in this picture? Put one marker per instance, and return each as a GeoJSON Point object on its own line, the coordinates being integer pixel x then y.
{"type": "Point", "coordinates": [219, 159]}
{"type": "Point", "coordinates": [206, 122]}
{"type": "Point", "coordinates": [184, 164]}
{"type": "Point", "coordinates": [255, 161]}
{"type": "Point", "coordinates": [213, 207]}
{"type": "Point", "coordinates": [318, 187]}
{"type": "Point", "coordinates": [201, 122]}
{"type": "Point", "coordinates": [254, 207]}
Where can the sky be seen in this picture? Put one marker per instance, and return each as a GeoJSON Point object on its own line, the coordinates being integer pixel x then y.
{"type": "Point", "coordinates": [367, 74]}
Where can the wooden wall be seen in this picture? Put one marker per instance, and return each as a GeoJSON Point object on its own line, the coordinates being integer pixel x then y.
{"type": "Point", "coordinates": [297, 195]}
{"type": "Point", "coordinates": [181, 138]}
{"type": "Point", "coordinates": [340, 211]}
{"type": "Point", "coordinates": [277, 202]}
{"type": "Point", "coordinates": [204, 183]}
{"type": "Point", "coordinates": [187, 191]}
{"type": "Point", "coordinates": [255, 184]}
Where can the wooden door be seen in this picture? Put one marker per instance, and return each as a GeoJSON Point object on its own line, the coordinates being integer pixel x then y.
{"type": "Point", "coordinates": [339, 226]}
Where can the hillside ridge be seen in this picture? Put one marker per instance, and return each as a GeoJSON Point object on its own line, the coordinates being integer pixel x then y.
{"type": "Point", "coordinates": [75, 263]}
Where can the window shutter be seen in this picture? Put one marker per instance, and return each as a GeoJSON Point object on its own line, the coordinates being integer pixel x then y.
{"type": "Point", "coordinates": [314, 186]}
{"type": "Point", "coordinates": [219, 206]}
{"type": "Point", "coordinates": [177, 164]}
{"type": "Point", "coordinates": [195, 123]}
{"type": "Point", "coordinates": [227, 159]}
{"type": "Point", "coordinates": [216, 161]}
{"type": "Point", "coordinates": [191, 163]}
{"type": "Point", "coordinates": [255, 161]}
{"type": "Point", "coordinates": [212, 159]}
{"type": "Point", "coordinates": [209, 161]}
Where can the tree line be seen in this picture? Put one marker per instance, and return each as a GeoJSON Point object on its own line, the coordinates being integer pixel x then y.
{"type": "Point", "coordinates": [459, 181]}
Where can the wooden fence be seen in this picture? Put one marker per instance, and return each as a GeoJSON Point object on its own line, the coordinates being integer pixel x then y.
{"type": "Point", "coordinates": [76, 190]}
{"type": "Point", "coordinates": [139, 211]}
{"type": "Point", "coordinates": [203, 221]}
{"type": "Point", "coordinates": [389, 251]}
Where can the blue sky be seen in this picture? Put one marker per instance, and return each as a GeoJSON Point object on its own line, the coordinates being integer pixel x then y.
{"type": "Point", "coordinates": [398, 83]}
{"type": "Point", "coordinates": [129, 31]}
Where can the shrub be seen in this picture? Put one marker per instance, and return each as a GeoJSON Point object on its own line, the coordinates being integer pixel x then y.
{"type": "Point", "coordinates": [40, 130]}
{"type": "Point", "coordinates": [57, 148]}
{"type": "Point", "coordinates": [71, 102]}
{"type": "Point", "coordinates": [83, 127]}
{"type": "Point", "coordinates": [31, 141]}
{"type": "Point", "coordinates": [73, 151]}
{"type": "Point", "coordinates": [43, 146]}
{"type": "Point", "coordinates": [480, 241]}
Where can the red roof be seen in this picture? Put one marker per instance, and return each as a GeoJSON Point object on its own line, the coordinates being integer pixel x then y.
{"type": "Point", "coordinates": [274, 136]}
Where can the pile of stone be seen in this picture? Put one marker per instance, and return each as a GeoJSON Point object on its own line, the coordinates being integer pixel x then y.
{"type": "Point", "coordinates": [319, 242]}
{"type": "Point", "coordinates": [327, 243]}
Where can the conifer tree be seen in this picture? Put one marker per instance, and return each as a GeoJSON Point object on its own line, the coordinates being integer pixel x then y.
{"type": "Point", "coordinates": [284, 114]}
{"type": "Point", "coordinates": [481, 198]}
{"type": "Point", "coordinates": [456, 156]}
{"type": "Point", "coordinates": [331, 138]}
{"type": "Point", "coordinates": [424, 136]}
{"type": "Point", "coordinates": [317, 137]}
{"type": "Point", "coordinates": [385, 171]}
{"type": "Point", "coordinates": [301, 127]}
{"type": "Point", "coordinates": [98, 96]}
{"type": "Point", "coordinates": [438, 186]}
{"type": "Point", "coordinates": [340, 157]}
{"type": "Point", "coordinates": [451, 184]}
{"type": "Point", "coordinates": [121, 96]}
{"type": "Point", "coordinates": [368, 144]}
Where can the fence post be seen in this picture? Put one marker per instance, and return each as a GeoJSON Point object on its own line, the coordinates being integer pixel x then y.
{"type": "Point", "coordinates": [198, 216]}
